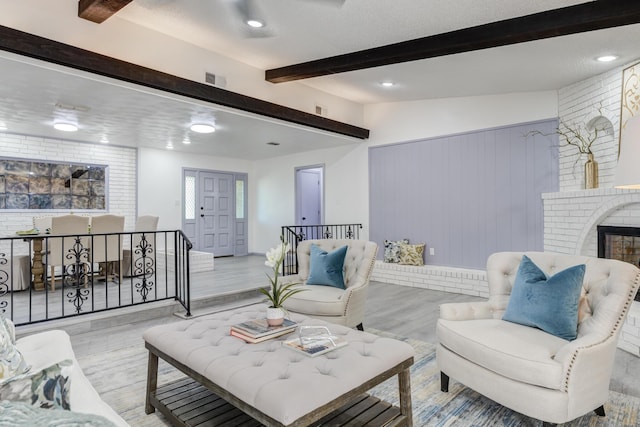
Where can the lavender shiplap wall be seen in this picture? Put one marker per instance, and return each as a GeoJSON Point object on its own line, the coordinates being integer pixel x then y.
{"type": "Point", "coordinates": [466, 195]}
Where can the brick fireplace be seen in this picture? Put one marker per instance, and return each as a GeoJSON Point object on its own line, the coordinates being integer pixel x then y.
{"type": "Point", "coordinates": [571, 220]}
{"type": "Point", "coordinates": [621, 243]}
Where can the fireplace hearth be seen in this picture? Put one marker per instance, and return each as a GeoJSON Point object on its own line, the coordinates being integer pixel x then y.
{"type": "Point", "coordinates": [621, 243]}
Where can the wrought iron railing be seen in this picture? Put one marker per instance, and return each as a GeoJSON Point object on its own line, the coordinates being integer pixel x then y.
{"type": "Point", "coordinates": [294, 234]}
{"type": "Point", "coordinates": [47, 277]}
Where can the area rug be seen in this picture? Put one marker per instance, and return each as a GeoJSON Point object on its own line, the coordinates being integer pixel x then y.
{"type": "Point", "coordinates": [462, 406]}
{"type": "Point", "coordinates": [120, 378]}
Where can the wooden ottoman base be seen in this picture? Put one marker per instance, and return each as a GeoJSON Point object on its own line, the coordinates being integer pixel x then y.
{"type": "Point", "coordinates": [187, 402]}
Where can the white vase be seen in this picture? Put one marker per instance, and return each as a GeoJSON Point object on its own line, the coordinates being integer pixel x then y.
{"type": "Point", "coordinates": [275, 316]}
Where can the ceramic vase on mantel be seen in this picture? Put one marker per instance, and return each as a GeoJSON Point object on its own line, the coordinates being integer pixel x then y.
{"type": "Point", "coordinates": [275, 316]}
{"type": "Point", "coordinates": [590, 173]}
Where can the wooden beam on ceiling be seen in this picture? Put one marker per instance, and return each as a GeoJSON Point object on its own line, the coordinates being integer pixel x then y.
{"type": "Point", "coordinates": [19, 42]}
{"type": "Point", "coordinates": [100, 10]}
{"type": "Point", "coordinates": [590, 16]}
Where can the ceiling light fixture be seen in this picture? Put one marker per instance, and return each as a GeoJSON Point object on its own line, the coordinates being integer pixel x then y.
{"type": "Point", "coordinates": [186, 140]}
{"type": "Point", "coordinates": [387, 84]}
{"type": "Point", "coordinates": [254, 23]}
{"type": "Point", "coordinates": [202, 128]}
{"type": "Point", "coordinates": [169, 146]}
{"type": "Point", "coordinates": [104, 139]}
{"type": "Point", "coordinates": [607, 58]}
{"type": "Point", "coordinates": [3, 126]}
{"type": "Point", "coordinates": [65, 127]}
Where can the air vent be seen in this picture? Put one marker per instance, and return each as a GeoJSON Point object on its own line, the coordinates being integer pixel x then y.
{"type": "Point", "coordinates": [212, 79]}
{"type": "Point", "coordinates": [321, 110]}
{"type": "Point", "coordinates": [69, 107]}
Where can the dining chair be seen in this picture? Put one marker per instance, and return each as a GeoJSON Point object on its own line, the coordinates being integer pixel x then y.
{"type": "Point", "coordinates": [61, 251]}
{"type": "Point", "coordinates": [14, 272]}
{"type": "Point", "coordinates": [42, 223]}
{"type": "Point", "coordinates": [107, 251]}
{"type": "Point", "coordinates": [143, 223]}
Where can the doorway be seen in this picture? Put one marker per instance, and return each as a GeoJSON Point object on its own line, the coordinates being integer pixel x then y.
{"type": "Point", "coordinates": [214, 211]}
{"type": "Point", "coordinates": [309, 187]}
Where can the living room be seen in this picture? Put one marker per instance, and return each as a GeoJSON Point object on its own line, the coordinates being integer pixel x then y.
{"type": "Point", "coordinates": [271, 188]}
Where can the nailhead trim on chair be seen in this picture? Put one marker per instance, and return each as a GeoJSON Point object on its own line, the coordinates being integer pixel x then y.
{"type": "Point", "coordinates": [627, 305]}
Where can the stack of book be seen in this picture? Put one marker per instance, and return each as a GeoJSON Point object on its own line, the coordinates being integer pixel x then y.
{"type": "Point", "coordinates": [258, 330]}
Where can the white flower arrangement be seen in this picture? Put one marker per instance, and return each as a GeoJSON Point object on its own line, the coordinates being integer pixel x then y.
{"type": "Point", "coordinates": [277, 293]}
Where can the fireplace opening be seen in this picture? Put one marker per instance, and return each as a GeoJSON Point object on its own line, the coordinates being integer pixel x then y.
{"type": "Point", "coordinates": [621, 243]}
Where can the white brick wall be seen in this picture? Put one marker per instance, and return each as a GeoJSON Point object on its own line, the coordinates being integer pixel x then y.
{"type": "Point", "coordinates": [630, 336]}
{"type": "Point", "coordinates": [121, 184]}
{"type": "Point", "coordinates": [571, 216]}
{"type": "Point", "coordinates": [198, 261]}
{"type": "Point", "coordinates": [578, 104]}
{"type": "Point", "coordinates": [446, 279]}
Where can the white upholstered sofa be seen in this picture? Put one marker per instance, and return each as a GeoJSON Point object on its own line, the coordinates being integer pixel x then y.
{"type": "Point", "coordinates": [43, 349]}
{"type": "Point", "coordinates": [524, 368]}
{"type": "Point", "coordinates": [343, 307]}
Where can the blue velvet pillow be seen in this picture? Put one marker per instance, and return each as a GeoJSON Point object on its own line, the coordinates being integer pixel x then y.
{"type": "Point", "coordinates": [326, 267]}
{"type": "Point", "coordinates": [547, 303]}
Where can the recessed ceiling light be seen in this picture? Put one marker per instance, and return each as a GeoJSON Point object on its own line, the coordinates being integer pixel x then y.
{"type": "Point", "coordinates": [104, 139]}
{"type": "Point", "coordinates": [202, 128]}
{"type": "Point", "coordinates": [254, 23]}
{"type": "Point", "coordinates": [186, 140]}
{"type": "Point", "coordinates": [607, 58]}
{"type": "Point", "coordinates": [169, 146]}
{"type": "Point", "coordinates": [387, 84]}
{"type": "Point", "coordinates": [65, 127]}
{"type": "Point", "coordinates": [3, 126]}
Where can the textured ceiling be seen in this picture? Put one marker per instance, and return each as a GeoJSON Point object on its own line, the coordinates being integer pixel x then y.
{"type": "Point", "coordinates": [35, 95]}
{"type": "Point", "coordinates": [303, 30]}
{"type": "Point", "coordinates": [297, 31]}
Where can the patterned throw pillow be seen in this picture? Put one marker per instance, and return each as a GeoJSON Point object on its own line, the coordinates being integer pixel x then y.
{"type": "Point", "coordinates": [412, 254]}
{"type": "Point", "coordinates": [392, 250]}
{"type": "Point", "coordinates": [48, 388]}
{"type": "Point", "coordinates": [11, 361]}
{"type": "Point", "coordinates": [19, 414]}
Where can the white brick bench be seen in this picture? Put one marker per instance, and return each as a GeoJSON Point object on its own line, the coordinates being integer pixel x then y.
{"type": "Point", "coordinates": [198, 261]}
{"type": "Point", "coordinates": [436, 278]}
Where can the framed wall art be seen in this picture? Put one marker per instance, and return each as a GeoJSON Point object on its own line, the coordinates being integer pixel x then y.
{"type": "Point", "coordinates": [630, 105]}
{"type": "Point", "coordinates": [34, 184]}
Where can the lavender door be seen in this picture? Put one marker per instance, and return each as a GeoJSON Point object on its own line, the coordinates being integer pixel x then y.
{"type": "Point", "coordinates": [216, 213]}
{"type": "Point", "coordinates": [309, 196]}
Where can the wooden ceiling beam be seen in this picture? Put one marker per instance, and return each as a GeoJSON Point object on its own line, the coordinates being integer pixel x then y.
{"type": "Point", "coordinates": [100, 10]}
{"type": "Point", "coordinates": [590, 16]}
{"type": "Point", "coordinates": [19, 42]}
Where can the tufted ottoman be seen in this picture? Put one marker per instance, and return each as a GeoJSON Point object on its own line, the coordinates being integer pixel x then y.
{"type": "Point", "coordinates": [274, 385]}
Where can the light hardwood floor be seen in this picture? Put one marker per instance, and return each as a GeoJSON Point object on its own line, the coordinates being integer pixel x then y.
{"type": "Point", "coordinates": [404, 311]}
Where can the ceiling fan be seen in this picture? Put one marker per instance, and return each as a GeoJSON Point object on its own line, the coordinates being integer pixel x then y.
{"type": "Point", "coordinates": [249, 16]}
{"type": "Point", "coordinates": [253, 19]}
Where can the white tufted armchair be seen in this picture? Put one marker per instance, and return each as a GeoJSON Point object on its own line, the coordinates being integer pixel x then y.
{"type": "Point", "coordinates": [344, 307]}
{"type": "Point", "coordinates": [524, 368]}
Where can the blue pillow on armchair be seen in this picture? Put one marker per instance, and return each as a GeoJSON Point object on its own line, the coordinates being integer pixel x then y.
{"type": "Point", "coordinates": [326, 267]}
{"type": "Point", "coordinates": [547, 303]}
